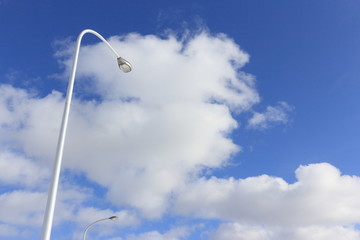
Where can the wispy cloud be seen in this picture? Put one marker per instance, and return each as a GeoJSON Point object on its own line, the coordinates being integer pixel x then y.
{"type": "Point", "coordinates": [280, 113]}
{"type": "Point", "coordinates": [173, 234]}
{"type": "Point", "coordinates": [238, 231]}
{"type": "Point", "coordinates": [8, 230]}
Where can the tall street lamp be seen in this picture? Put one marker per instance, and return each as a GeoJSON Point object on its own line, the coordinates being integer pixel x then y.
{"type": "Point", "coordinates": [88, 227]}
{"type": "Point", "coordinates": [125, 66]}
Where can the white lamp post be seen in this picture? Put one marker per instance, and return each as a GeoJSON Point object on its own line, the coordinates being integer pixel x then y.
{"type": "Point", "coordinates": [125, 66]}
{"type": "Point", "coordinates": [88, 227]}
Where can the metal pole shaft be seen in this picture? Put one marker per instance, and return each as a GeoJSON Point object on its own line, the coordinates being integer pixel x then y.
{"type": "Point", "coordinates": [50, 205]}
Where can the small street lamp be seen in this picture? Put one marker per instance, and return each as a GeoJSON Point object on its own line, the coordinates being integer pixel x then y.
{"type": "Point", "coordinates": [92, 224]}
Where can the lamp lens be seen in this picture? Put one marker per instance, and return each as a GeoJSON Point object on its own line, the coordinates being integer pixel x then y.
{"type": "Point", "coordinates": [125, 67]}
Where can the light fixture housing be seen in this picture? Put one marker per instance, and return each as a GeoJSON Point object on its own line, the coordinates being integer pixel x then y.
{"type": "Point", "coordinates": [124, 65]}
{"type": "Point", "coordinates": [114, 218]}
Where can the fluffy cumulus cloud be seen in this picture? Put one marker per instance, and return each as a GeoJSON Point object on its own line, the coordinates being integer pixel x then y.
{"type": "Point", "coordinates": [141, 136]}
{"type": "Point", "coordinates": [320, 196]}
{"type": "Point", "coordinates": [161, 123]}
{"type": "Point", "coordinates": [21, 170]}
{"type": "Point", "coordinates": [14, 210]}
{"type": "Point", "coordinates": [145, 138]}
{"type": "Point", "coordinates": [321, 203]}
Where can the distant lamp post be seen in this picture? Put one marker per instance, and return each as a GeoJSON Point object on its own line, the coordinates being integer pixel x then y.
{"type": "Point", "coordinates": [92, 224]}
{"type": "Point", "coordinates": [125, 66]}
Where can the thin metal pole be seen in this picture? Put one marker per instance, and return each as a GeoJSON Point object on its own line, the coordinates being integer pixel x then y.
{"type": "Point", "coordinates": [50, 205]}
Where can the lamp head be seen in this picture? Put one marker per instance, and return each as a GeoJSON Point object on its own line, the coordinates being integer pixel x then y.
{"type": "Point", "coordinates": [124, 65]}
{"type": "Point", "coordinates": [114, 218]}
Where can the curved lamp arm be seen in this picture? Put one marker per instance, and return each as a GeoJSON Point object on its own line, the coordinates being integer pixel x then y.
{"type": "Point", "coordinates": [125, 66]}
{"type": "Point", "coordinates": [88, 227]}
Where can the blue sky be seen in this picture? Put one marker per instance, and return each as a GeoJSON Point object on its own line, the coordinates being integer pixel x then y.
{"type": "Point", "coordinates": [239, 121]}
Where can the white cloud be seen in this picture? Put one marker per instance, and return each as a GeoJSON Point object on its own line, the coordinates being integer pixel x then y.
{"type": "Point", "coordinates": [171, 71]}
{"type": "Point", "coordinates": [29, 124]}
{"type": "Point", "coordinates": [321, 195]}
{"type": "Point", "coordinates": [279, 113]}
{"type": "Point", "coordinates": [22, 212]}
{"type": "Point", "coordinates": [178, 121]}
{"type": "Point", "coordinates": [125, 218]}
{"type": "Point", "coordinates": [72, 205]}
{"type": "Point", "coordinates": [147, 135]}
{"type": "Point", "coordinates": [87, 215]}
{"type": "Point", "coordinates": [22, 208]}
{"type": "Point", "coordinates": [174, 127]}
{"type": "Point", "coordinates": [21, 171]}
{"type": "Point", "coordinates": [8, 230]}
{"type": "Point", "coordinates": [237, 231]}
{"type": "Point", "coordinates": [173, 234]}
